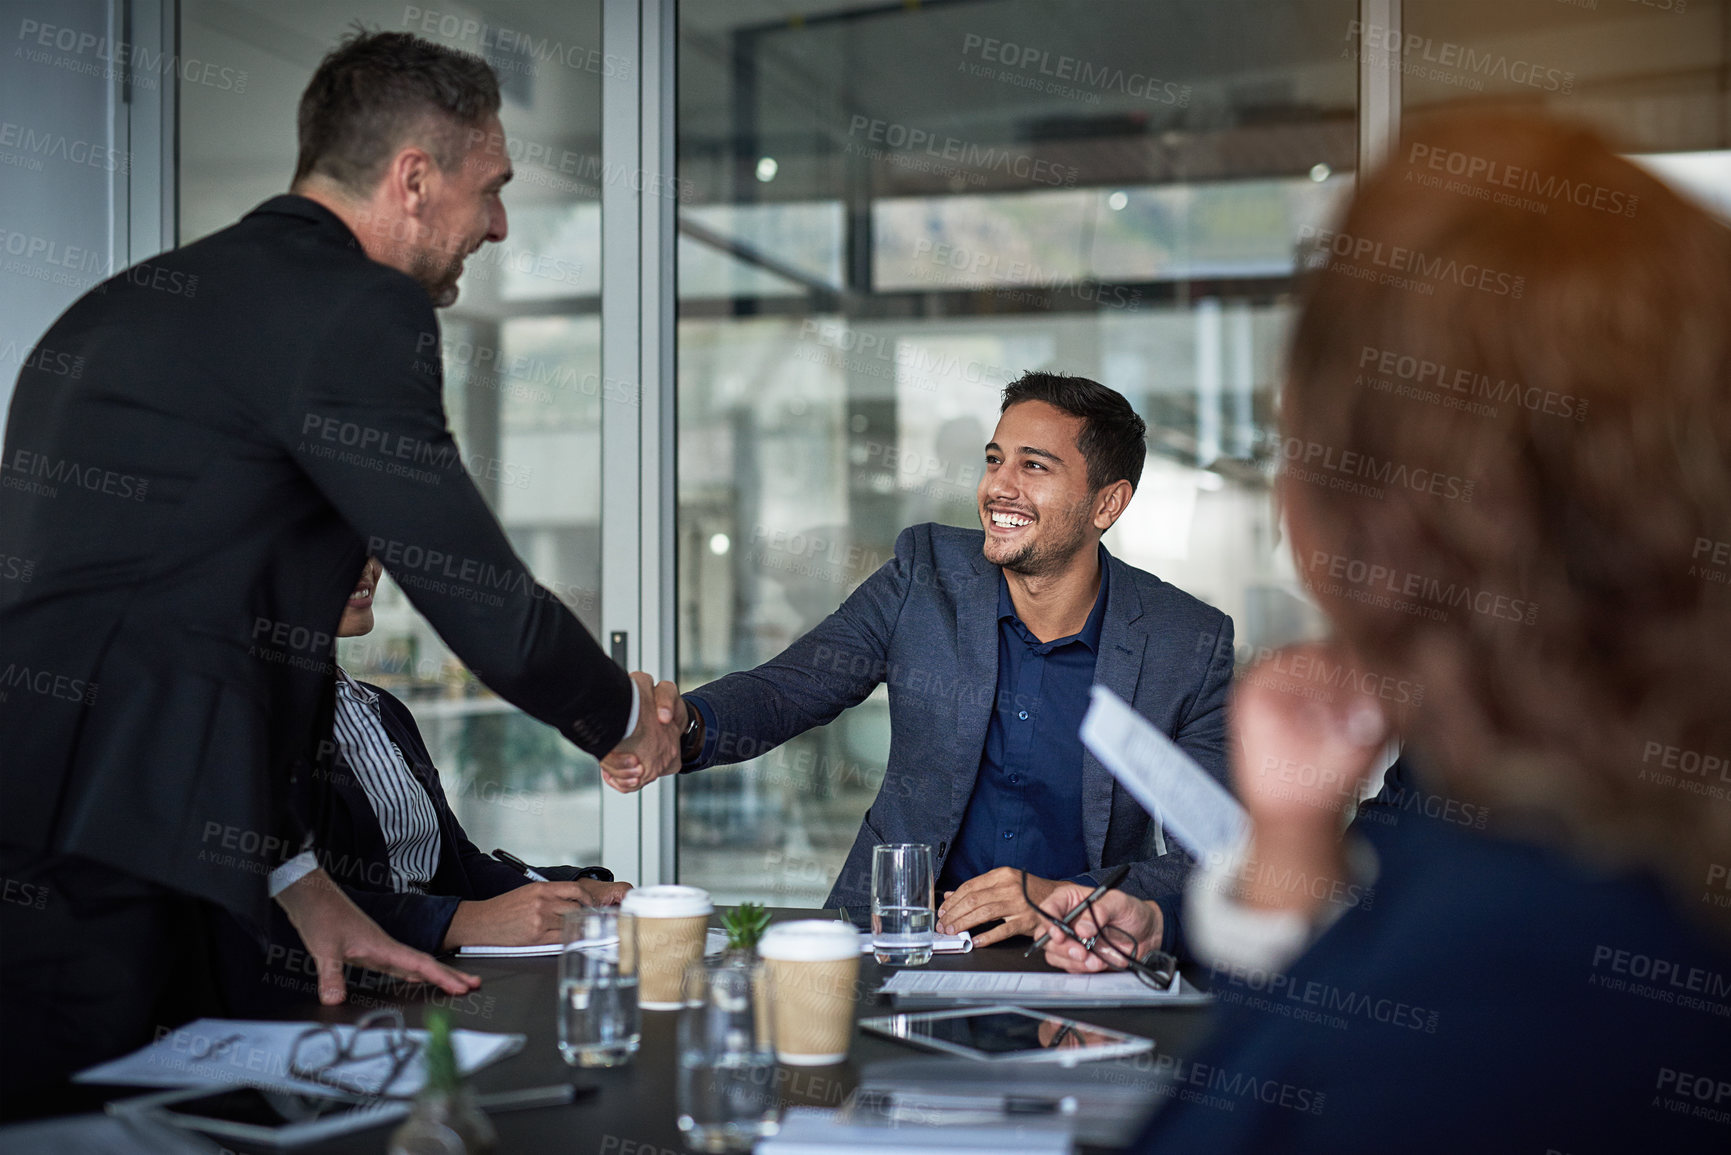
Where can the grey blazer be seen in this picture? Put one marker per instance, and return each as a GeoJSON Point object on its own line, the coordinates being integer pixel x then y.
{"type": "Point", "coordinates": [926, 624]}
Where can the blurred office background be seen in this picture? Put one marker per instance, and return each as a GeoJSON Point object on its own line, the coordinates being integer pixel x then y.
{"type": "Point", "coordinates": [884, 211]}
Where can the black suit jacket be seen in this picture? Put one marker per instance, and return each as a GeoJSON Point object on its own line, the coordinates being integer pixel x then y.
{"type": "Point", "coordinates": [198, 457]}
{"type": "Point", "coordinates": [1497, 996]}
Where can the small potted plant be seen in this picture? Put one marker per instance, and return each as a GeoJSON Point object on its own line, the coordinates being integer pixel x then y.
{"type": "Point", "coordinates": [444, 1117]}
{"type": "Point", "coordinates": [744, 924]}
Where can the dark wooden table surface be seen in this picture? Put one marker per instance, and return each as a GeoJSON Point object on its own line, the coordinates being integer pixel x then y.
{"type": "Point", "coordinates": [633, 1111]}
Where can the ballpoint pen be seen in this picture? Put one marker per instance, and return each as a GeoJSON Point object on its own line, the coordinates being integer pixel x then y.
{"type": "Point", "coordinates": [555, 1095]}
{"type": "Point", "coordinates": [516, 863]}
{"type": "Point", "coordinates": [1107, 881]}
{"type": "Point", "coordinates": [917, 1104]}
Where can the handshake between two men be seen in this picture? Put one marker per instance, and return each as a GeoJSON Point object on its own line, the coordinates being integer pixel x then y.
{"type": "Point", "coordinates": [993, 905]}
{"type": "Point", "coordinates": [654, 747]}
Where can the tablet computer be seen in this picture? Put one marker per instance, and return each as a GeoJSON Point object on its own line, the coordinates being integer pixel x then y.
{"type": "Point", "coordinates": [1007, 1034]}
{"type": "Point", "coordinates": [266, 1118]}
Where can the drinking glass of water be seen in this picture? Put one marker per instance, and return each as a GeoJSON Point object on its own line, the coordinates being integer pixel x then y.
{"type": "Point", "coordinates": [903, 915]}
{"type": "Point", "coordinates": [726, 1092]}
{"type": "Point", "coordinates": [599, 1022]}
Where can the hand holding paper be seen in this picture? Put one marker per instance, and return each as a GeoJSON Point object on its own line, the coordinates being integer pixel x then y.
{"type": "Point", "coordinates": [1304, 738]}
{"type": "Point", "coordinates": [1166, 781]}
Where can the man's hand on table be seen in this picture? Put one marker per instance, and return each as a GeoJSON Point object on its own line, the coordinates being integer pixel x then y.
{"type": "Point", "coordinates": [532, 913]}
{"type": "Point", "coordinates": [337, 932]}
{"type": "Point", "coordinates": [994, 894]}
{"type": "Point", "coordinates": [1141, 921]}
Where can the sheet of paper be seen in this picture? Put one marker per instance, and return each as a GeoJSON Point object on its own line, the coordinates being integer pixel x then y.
{"type": "Point", "coordinates": [1024, 986]}
{"type": "Point", "coordinates": [227, 1052]}
{"type": "Point", "coordinates": [1184, 797]}
{"type": "Point", "coordinates": [714, 942]}
{"type": "Point", "coordinates": [815, 1131]}
{"type": "Point", "coordinates": [534, 950]}
{"type": "Point", "coordinates": [941, 943]}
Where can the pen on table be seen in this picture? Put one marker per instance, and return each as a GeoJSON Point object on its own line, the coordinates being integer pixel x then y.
{"type": "Point", "coordinates": [938, 1102]}
{"type": "Point", "coordinates": [1107, 881]}
{"type": "Point", "coordinates": [556, 1095]}
{"type": "Point", "coordinates": [518, 864]}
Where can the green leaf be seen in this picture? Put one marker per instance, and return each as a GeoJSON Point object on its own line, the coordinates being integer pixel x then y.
{"type": "Point", "coordinates": [441, 1056]}
{"type": "Point", "coordinates": [745, 924]}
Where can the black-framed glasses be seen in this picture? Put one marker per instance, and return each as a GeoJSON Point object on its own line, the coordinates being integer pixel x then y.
{"type": "Point", "coordinates": [1112, 945]}
{"type": "Point", "coordinates": [376, 1052]}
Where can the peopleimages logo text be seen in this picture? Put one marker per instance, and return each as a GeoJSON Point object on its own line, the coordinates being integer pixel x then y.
{"type": "Point", "coordinates": [1412, 50]}
{"type": "Point", "coordinates": [905, 142]}
{"type": "Point", "coordinates": [1581, 194]}
{"type": "Point", "coordinates": [1372, 254]}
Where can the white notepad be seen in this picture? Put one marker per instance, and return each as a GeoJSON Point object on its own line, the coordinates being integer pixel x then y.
{"type": "Point", "coordinates": [1037, 988]}
{"type": "Point", "coordinates": [246, 1052]}
{"type": "Point", "coordinates": [941, 943]}
{"type": "Point", "coordinates": [714, 942]}
{"type": "Point", "coordinates": [812, 1131]}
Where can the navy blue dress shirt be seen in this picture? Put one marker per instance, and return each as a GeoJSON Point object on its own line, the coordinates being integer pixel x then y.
{"type": "Point", "coordinates": [1026, 809]}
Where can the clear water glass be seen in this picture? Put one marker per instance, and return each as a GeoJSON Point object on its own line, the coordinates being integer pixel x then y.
{"type": "Point", "coordinates": [726, 1087]}
{"type": "Point", "coordinates": [600, 1024]}
{"type": "Point", "coordinates": [904, 917]}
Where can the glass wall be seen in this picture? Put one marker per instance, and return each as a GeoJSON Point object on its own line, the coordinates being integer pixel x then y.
{"type": "Point", "coordinates": [890, 213]}
{"type": "Point", "coordinates": [886, 212]}
{"type": "Point", "coordinates": [1653, 75]}
{"type": "Point", "coordinates": [522, 355]}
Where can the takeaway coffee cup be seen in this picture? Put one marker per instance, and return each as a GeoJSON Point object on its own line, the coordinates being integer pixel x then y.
{"type": "Point", "coordinates": [670, 921]}
{"type": "Point", "coordinates": [813, 969]}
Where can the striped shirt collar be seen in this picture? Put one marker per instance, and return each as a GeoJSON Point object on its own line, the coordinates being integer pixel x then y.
{"type": "Point", "coordinates": [353, 689]}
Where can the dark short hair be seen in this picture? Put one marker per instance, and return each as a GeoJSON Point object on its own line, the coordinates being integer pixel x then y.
{"type": "Point", "coordinates": [376, 88]}
{"type": "Point", "coordinates": [1112, 440]}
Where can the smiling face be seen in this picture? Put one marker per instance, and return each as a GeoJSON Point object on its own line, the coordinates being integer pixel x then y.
{"type": "Point", "coordinates": [1035, 504]}
{"type": "Point", "coordinates": [357, 616]}
{"type": "Point", "coordinates": [462, 211]}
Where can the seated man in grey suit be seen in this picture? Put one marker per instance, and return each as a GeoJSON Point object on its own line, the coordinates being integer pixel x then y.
{"type": "Point", "coordinates": [989, 640]}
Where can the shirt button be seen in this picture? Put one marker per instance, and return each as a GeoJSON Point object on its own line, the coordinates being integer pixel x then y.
{"type": "Point", "coordinates": [1015, 778]}
{"type": "Point", "coordinates": [1023, 715]}
{"type": "Point", "coordinates": [1009, 834]}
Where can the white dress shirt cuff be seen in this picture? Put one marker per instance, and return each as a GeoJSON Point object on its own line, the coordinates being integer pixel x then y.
{"type": "Point", "coordinates": [292, 872]}
{"type": "Point", "coordinates": [1227, 934]}
{"type": "Point", "coordinates": [636, 707]}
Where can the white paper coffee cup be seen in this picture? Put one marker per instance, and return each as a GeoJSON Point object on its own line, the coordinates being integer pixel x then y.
{"type": "Point", "coordinates": [814, 976]}
{"type": "Point", "coordinates": [669, 924]}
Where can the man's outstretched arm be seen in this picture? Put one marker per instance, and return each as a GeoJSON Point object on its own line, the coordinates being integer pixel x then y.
{"type": "Point", "coordinates": [834, 666]}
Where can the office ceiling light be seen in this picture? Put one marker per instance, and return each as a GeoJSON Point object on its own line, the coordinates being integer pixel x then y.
{"type": "Point", "coordinates": [1117, 201]}
{"type": "Point", "coordinates": [1320, 172]}
{"type": "Point", "coordinates": [767, 168]}
{"type": "Point", "coordinates": [719, 544]}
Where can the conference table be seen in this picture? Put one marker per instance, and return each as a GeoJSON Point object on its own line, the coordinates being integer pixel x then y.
{"type": "Point", "coordinates": [632, 1110]}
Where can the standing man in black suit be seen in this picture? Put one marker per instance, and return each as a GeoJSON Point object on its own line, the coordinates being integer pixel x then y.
{"type": "Point", "coordinates": [256, 413]}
